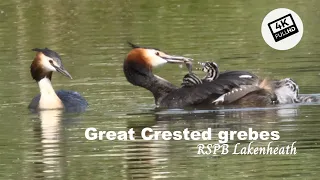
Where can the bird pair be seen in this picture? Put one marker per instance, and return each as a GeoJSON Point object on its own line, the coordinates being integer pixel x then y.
{"type": "Point", "coordinates": [230, 87]}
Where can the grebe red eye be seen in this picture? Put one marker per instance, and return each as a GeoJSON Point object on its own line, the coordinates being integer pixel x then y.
{"type": "Point", "coordinates": [157, 53]}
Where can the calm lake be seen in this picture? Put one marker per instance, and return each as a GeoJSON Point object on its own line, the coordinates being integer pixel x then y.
{"type": "Point", "coordinates": [91, 37]}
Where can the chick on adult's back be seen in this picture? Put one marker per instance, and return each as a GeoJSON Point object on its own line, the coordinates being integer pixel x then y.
{"type": "Point", "coordinates": [46, 62]}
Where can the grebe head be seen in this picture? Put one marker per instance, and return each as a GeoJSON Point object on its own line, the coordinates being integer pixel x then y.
{"type": "Point", "coordinates": [138, 65]}
{"type": "Point", "coordinates": [287, 91]}
{"type": "Point", "coordinates": [140, 60]}
{"type": "Point", "coordinates": [152, 57]}
{"type": "Point", "coordinates": [212, 70]}
{"type": "Point", "coordinates": [46, 62]}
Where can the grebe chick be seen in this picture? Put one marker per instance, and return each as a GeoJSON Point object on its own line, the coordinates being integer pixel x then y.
{"type": "Point", "coordinates": [46, 62]}
{"type": "Point", "coordinates": [138, 67]}
{"type": "Point", "coordinates": [287, 91]}
{"type": "Point", "coordinates": [212, 70]}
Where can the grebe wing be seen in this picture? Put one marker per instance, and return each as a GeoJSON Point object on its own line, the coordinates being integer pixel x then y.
{"type": "Point", "coordinates": [72, 101]}
{"type": "Point", "coordinates": [206, 93]}
{"type": "Point", "coordinates": [236, 94]}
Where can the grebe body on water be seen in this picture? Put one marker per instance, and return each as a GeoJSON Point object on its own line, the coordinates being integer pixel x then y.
{"type": "Point", "coordinates": [283, 91]}
{"type": "Point", "coordinates": [138, 66]}
{"type": "Point", "coordinates": [46, 62]}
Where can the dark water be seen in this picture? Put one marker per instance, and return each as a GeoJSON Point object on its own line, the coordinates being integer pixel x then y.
{"type": "Point", "coordinates": [91, 38]}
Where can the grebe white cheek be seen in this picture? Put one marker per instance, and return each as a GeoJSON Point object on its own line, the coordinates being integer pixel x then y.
{"type": "Point", "coordinates": [156, 59]}
{"type": "Point", "coordinates": [47, 62]}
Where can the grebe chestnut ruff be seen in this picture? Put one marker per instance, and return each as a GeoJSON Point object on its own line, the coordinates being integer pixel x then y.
{"type": "Point", "coordinates": [138, 66]}
{"type": "Point", "coordinates": [46, 62]}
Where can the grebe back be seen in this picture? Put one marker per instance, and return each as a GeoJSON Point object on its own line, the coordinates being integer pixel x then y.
{"type": "Point", "coordinates": [283, 91]}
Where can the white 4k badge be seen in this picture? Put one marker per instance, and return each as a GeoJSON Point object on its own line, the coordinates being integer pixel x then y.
{"type": "Point", "coordinates": [282, 29]}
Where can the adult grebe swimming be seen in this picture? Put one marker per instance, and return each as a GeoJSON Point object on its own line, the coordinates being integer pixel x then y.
{"type": "Point", "coordinates": [46, 62]}
{"type": "Point", "coordinates": [138, 66]}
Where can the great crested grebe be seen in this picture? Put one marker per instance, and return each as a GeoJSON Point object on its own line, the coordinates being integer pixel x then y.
{"type": "Point", "coordinates": [46, 62]}
{"type": "Point", "coordinates": [275, 92]}
{"type": "Point", "coordinates": [138, 66]}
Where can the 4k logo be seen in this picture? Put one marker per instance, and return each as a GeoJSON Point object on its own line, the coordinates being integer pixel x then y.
{"type": "Point", "coordinates": [283, 27]}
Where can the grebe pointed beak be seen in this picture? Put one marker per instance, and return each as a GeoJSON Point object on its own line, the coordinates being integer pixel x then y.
{"type": "Point", "coordinates": [63, 71]}
{"type": "Point", "coordinates": [176, 59]}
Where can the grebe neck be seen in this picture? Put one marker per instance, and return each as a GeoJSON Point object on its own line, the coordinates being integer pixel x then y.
{"type": "Point", "coordinates": [160, 88]}
{"type": "Point", "coordinates": [140, 75]}
{"type": "Point", "coordinates": [49, 98]}
{"type": "Point", "coordinates": [46, 87]}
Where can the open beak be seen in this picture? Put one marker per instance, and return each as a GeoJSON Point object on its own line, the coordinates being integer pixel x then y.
{"type": "Point", "coordinates": [63, 71]}
{"type": "Point", "coordinates": [175, 59]}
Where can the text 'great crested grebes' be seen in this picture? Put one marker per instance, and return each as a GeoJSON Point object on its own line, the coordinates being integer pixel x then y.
{"type": "Point", "coordinates": [151, 134]}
